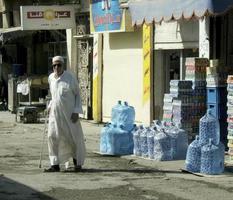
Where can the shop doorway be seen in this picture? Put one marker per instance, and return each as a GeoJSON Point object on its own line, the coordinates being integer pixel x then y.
{"type": "Point", "coordinates": [168, 65]}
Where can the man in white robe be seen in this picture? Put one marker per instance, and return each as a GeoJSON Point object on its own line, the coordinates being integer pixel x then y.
{"type": "Point", "coordinates": [65, 135]}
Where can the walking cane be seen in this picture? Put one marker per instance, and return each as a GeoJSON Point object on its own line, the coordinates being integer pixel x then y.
{"type": "Point", "coordinates": [43, 139]}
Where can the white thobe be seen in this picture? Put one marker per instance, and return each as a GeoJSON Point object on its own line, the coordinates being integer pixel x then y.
{"type": "Point", "coordinates": [65, 138]}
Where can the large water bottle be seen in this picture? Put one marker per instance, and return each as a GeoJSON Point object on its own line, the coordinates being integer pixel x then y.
{"type": "Point", "coordinates": [115, 112]}
{"type": "Point", "coordinates": [193, 157]}
{"type": "Point", "coordinates": [104, 138]}
{"type": "Point", "coordinates": [136, 139]}
{"type": "Point", "coordinates": [143, 142]}
{"type": "Point", "coordinates": [211, 163]}
{"type": "Point", "coordinates": [121, 141]}
{"type": "Point", "coordinates": [126, 116]}
{"type": "Point", "coordinates": [162, 146]}
{"type": "Point", "coordinates": [110, 140]}
{"type": "Point", "coordinates": [209, 129]}
{"type": "Point", "coordinates": [150, 142]}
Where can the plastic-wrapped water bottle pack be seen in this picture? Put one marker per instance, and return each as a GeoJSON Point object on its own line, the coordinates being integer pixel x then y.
{"type": "Point", "coordinates": [209, 129]}
{"type": "Point", "coordinates": [117, 137]}
{"type": "Point", "coordinates": [212, 161]}
{"type": "Point", "coordinates": [206, 153]}
{"type": "Point", "coordinates": [161, 141]}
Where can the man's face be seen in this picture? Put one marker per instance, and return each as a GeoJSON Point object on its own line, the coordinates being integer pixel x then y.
{"type": "Point", "coordinates": [58, 68]}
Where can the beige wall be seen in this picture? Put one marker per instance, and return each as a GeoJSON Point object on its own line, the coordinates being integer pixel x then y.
{"type": "Point", "coordinates": [122, 72]}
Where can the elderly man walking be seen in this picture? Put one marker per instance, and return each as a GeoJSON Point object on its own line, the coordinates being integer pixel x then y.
{"type": "Point", "coordinates": [65, 135]}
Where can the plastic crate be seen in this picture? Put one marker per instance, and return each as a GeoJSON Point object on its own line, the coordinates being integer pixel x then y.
{"type": "Point", "coordinates": [218, 110]}
{"type": "Point", "coordinates": [216, 95]}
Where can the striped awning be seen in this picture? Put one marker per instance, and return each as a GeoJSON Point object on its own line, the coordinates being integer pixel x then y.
{"type": "Point", "coordinates": [166, 10]}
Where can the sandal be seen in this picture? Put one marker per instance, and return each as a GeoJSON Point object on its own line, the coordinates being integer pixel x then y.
{"type": "Point", "coordinates": [53, 168]}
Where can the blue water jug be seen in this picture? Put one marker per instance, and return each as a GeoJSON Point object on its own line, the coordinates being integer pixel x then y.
{"type": "Point", "coordinates": [211, 162]}
{"type": "Point", "coordinates": [162, 146]}
{"type": "Point", "coordinates": [104, 138]}
{"type": "Point", "coordinates": [126, 116]}
{"type": "Point", "coordinates": [193, 157]}
{"type": "Point", "coordinates": [209, 129]}
{"type": "Point", "coordinates": [115, 112]}
{"type": "Point", "coordinates": [121, 141]}
{"type": "Point", "coordinates": [123, 114]}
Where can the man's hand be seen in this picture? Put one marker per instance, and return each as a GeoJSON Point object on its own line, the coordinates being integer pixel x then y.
{"type": "Point", "coordinates": [47, 111]}
{"type": "Point", "coordinates": [74, 117]}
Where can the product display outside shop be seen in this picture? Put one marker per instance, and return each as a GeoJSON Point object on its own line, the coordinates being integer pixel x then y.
{"type": "Point", "coordinates": [187, 118]}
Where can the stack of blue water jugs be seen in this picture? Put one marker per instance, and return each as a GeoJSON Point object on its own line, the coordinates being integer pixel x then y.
{"type": "Point", "coordinates": [116, 137]}
{"type": "Point", "coordinates": [206, 153]}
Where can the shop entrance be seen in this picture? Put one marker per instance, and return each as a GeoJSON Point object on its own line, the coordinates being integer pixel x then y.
{"type": "Point", "coordinates": [168, 65]}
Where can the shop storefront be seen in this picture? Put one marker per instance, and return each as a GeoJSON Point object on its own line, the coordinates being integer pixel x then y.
{"type": "Point", "coordinates": [117, 64]}
{"type": "Point", "coordinates": [187, 29]}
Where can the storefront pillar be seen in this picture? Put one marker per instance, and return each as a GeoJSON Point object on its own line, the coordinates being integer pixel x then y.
{"type": "Point", "coordinates": [204, 42]}
{"type": "Point", "coordinates": [148, 73]}
{"type": "Point", "coordinates": [97, 77]}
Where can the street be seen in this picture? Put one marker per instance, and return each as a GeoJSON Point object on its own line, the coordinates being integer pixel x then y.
{"type": "Point", "coordinates": [103, 177]}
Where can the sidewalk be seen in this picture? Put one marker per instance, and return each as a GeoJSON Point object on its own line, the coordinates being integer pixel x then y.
{"type": "Point", "coordinates": [104, 177]}
{"type": "Point", "coordinates": [92, 135]}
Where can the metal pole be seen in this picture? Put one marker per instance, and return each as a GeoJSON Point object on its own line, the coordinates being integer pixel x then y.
{"type": "Point", "coordinates": [43, 139]}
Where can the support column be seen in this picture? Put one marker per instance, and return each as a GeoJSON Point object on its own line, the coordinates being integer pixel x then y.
{"type": "Point", "coordinates": [71, 50]}
{"type": "Point", "coordinates": [148, 73]}
{"type": "Point", "coordinates": [5, 14]}
{"type": "Point", "coordinates": [97, 77]}
{"type": "Point", "coordinates": [182, 68]}
{"type": "Point", "coordinates": [204, 43]}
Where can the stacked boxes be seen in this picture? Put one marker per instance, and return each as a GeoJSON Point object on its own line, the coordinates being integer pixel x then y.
{"type": "Point", "coordinates": [167, 108]}
{"type": "Point", "coordinates": [216, 74]}
{"type": "Point", "coordinates": [196, 72]}
{"type": "Point", "coordinates": [182, 104]}
{"type": "Point", "coordinates": [217, 95]}
{"type": "Point", "coordinates": [178, 104]}
{"type": "Point", "coordinates": [230, 115]}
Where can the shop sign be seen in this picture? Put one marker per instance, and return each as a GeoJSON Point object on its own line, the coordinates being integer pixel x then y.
{"type": "Point", "coordinates": [47, 17]}
{"type": "Point", "coordinates": [107, 16]}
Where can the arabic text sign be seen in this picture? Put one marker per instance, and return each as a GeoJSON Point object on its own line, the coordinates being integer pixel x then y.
{"type": "Point", "coordinates": [106, 15]}
{"type": "Point", "coordinates": [47, 17]}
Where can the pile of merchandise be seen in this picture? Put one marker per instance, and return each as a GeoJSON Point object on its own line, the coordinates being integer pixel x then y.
{"type": "Point", "coordinates": [217, 95]}
{"type": "Point", "coordinates": [182, 104]}
{"type": "Point", "coordinates": [206, 153]}
{"type": "Point", "coordinates": [167, 108]}
{"type": "Point", "coordinates": [116, 137]}
{"type": "Point", "coordinates": [187, 98]}
{"type": "Point", "coordinates": [160, 141]}
{"type": "Point", "coordinates": [216, 74]}
{"type": "Point", "coordinates": [230, 116]}
{"type": "Point", "coordinates": [196, 72]}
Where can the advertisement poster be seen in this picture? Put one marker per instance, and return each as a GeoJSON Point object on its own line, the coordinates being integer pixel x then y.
{"type": "Point", "coordinates": [106, 15]}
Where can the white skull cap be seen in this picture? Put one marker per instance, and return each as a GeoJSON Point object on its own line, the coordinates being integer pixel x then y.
{"type": "Point", "coordinates": [58, 58]}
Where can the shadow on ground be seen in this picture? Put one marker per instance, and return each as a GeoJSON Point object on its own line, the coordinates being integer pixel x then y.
{"type": "Point", "coordinates": [12, 190]}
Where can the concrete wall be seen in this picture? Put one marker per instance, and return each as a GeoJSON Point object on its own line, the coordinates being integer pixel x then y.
{"type": "Point", "coordinates": [122, 72]}
{"type": "Point", "coordinates": [176, 35]}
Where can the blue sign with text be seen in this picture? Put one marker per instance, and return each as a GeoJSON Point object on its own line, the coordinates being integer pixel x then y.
{"type": "Point", "coordinates": [106, 15]}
